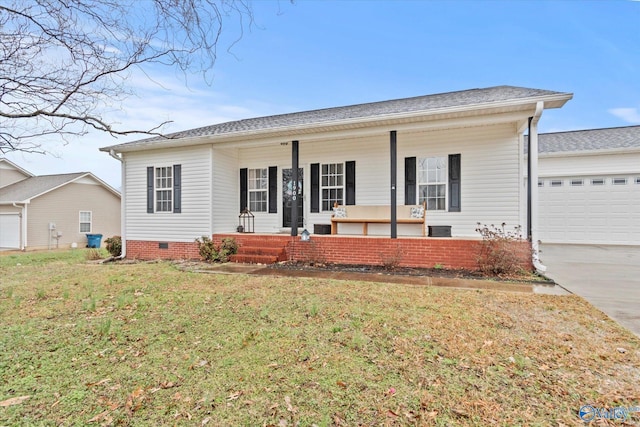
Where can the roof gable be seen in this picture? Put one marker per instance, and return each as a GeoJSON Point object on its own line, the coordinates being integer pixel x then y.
{"type": "Point", "coordinates": [30, 188]}
{"type": "Point", "coordinates": [8, 164]}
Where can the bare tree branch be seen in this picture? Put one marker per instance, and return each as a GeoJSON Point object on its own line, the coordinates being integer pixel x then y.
{"type": "Point", "coordinates": [63, 62]}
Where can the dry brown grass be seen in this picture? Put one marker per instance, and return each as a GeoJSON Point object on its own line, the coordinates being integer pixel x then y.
{"type": "Point", "coordinates": [148, 344]}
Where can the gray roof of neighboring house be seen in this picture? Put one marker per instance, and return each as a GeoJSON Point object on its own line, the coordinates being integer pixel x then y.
{"type": "Point", "coordinates": [589, 140]}
{"type": "Point", "coordinates": [36, 185]}
{"type": "Point", "coordinates": [481, 97]}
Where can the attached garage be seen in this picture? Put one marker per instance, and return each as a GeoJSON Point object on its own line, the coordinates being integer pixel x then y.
{"type": "Point", "coordinates": [10, 231]}
{"type": "Point", "coordinates": [589, 186]}
{"type": "Point", "coordinates": [590, 209]}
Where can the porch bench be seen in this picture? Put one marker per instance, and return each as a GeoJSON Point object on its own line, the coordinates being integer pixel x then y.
{"type": "Point", "coordinates": [375, 214]}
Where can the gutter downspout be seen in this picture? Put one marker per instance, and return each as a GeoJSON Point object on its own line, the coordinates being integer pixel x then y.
{"type": "Point", "coordinates": [123, 230]}
{"type": "Point", "coordinates": [23, 223]}
{"type": "Point", "coordinates": [532, 184]}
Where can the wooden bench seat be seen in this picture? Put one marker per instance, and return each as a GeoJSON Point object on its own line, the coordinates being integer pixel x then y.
{"type": "Point", "coordinates": [375, 214]}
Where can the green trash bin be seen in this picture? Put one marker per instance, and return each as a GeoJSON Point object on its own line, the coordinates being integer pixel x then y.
{"type": "Point", "coordinates": [94, 240]}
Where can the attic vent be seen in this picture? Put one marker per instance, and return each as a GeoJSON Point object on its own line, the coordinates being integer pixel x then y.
{"type": "Point", "coordinates": [163, 245]}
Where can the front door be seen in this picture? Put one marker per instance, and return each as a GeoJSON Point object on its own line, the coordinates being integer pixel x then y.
{"type": "Point", "coordinates": [289, 195]}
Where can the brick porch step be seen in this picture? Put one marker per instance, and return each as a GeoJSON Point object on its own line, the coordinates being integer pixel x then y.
{"type": "Point", "coordinates": [260, 251]}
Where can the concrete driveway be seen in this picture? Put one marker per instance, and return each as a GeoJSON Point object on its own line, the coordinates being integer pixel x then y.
{"type": "Point", "coordinates": [606, 276]}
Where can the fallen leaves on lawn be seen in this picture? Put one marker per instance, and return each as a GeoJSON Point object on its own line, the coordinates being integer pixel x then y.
{"type": "Point", "coordinates": [135, 399]}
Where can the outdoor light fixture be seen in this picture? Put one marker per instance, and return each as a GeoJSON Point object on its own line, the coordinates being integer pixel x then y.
{"type": "Point", "coordinates": [305, 236]}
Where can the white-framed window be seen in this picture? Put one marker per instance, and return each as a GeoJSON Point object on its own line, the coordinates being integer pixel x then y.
{"type": "Point", "coordinates": [619, 181]}
{"type": "Point", "coordinates": [597, 181]}
{"type": "Point", "coordinates": [577, 182]}
{"type": "Point", "coordinates": [556, 183]}
{"type": "Point", "coordinates": [432, 182]}
{"type": "Point", "coordinates": [85, 221]}
{"type": "Point", "coordinates": [164, 189]}
{"type": "Point", "coordinates": [258, 186]}
{"type": "Point", "coordinates": [332, 185]}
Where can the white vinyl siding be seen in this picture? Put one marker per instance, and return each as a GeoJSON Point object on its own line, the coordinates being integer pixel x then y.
{"type": "Point", "coordinates": [225, 191]}
{"type": "Point", "coordinates": [196, 181]}
{"type": "Point", "coordinates": [85, 221]}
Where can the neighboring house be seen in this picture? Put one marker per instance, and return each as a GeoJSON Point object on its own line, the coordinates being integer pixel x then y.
{"type": "Point", "coordinates": [460, 152]}
{"type": "Point", "coordinates": [51, 211]}
{"type": "Point", "coordinates": [589, 186]}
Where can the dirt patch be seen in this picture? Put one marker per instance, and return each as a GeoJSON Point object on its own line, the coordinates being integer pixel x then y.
{"type": "Point", "coordinates": [409, 271]}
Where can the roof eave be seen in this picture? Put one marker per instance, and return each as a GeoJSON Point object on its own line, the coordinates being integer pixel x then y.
{"type": "Point", "coordinates": [556, 100]}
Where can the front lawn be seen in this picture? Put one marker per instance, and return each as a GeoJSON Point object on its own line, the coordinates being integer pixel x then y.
{"type": "Point", "coordinates": [149, 344]}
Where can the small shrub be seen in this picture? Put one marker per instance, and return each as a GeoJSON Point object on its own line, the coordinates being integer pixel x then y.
{"type": "Point", "coordinates": [502, 252]}
{"type": "Point", "coordinates": [212, 253]}
{"type": "Point", "coordinates": [228, 247]}
{"type": "Point", "coordinates": [114, 245]}
{"type": "Point", "coordinates": [392, 261]}
{"type": "Point", "coordinates": [93, 254]}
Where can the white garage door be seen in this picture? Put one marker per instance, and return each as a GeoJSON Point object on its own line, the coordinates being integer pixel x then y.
{"type": "Point", "coordinates": [9, 231]}
{"type": "Point", "coordinates": [601, 210]}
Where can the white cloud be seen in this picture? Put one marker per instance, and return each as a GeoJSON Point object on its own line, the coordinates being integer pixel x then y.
{"type": "Point", "coordinates": [629, 115]}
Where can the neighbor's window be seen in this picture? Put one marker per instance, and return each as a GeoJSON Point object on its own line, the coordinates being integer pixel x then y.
{"type": "Point", "coordinates": [597, 181]}
{"type": "Point", "coordinates": [432, 182]}
{"type": "Point", "coordinates": [164, 189]}
{"type": "Point", "coordinates": [258, 187]}
{"type": "Point", "coordinates": [556, 183]}
{"type": "Point", "coordinates": [540, 183]}
{"type": "Point", "coordinates": [619, 181]}
{"type": "Point", "coordinates": [332, 179]}
{"type": "Point", "coordinates": [85, 221]}
{"type": "Point", "coordinates": [577, 182]}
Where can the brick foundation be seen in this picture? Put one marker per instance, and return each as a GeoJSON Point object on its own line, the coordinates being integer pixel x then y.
{"type": "Point", "coordinates": [138, 249]}
{"type": "Point", "coordinates": [401, 252]}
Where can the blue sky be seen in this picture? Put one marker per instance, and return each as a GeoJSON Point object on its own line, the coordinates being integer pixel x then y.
{"type": "Point", "coordinates": [318, 54]}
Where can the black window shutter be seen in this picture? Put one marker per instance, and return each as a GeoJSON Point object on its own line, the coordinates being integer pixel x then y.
{"type": "Point", "coordinates": [177, 188]}
{"type": "Point", "coordinates": [273, 189]}
{"type": "Point", "coordinates": [315, 187]}
{"type": "Point", "coordinates": [150, 189]}
{"type": "Point", "coordinates": [410, 181]}
{"type": "Point", "coordinates": [351, 183]}
{"type": "Point", "coordinates": [454, 183]}
{"type": "Point", "coordinates": [244, 184]}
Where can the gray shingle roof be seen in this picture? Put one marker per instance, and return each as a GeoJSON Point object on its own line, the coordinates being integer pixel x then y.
{"type": "Point", "coordinates": [590, 139]}
{"type": "Point", "coordinates": [485, 96]}
{"type": "Point", "coordinates": [28, 188]}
